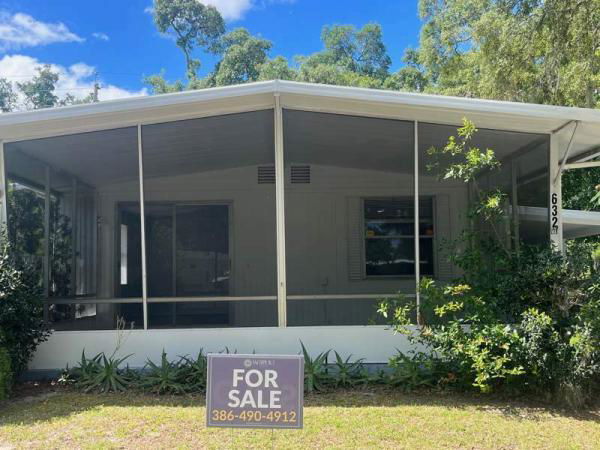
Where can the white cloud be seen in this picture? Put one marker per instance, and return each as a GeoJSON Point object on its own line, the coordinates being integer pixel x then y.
{"type": "Point", "coordinates": [101, 36]}
{"type": "Point", "coordinates": [21, 30]}
{"type": "Point", "coordinates": [233, 10]}
{"type": "Point", "coordinates": [77, 79]}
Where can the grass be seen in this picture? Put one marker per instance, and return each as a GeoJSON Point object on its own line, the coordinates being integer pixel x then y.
{"type": "Point", "coordinates": [343, 419]}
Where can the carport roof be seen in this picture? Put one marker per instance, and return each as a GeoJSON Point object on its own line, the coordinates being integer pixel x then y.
{"type": "Point", "coordinates": [491, 114]}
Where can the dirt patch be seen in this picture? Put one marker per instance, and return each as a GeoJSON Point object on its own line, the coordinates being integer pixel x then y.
{"type": "Point", "coordinates": [34, 389]}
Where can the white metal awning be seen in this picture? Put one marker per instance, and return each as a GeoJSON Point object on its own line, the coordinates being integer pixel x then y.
{"type": "Point", "coordinates": [491, 114]}
{"type": "Point", "coordinates": [576, 224]}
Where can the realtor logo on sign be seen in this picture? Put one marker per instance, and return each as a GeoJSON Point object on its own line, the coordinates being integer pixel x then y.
{"type": "Point", "coordinates": [255, 391]}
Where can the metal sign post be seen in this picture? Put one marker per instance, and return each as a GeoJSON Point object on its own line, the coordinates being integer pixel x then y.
{"type": "Point", "coordinates": [255, 391]}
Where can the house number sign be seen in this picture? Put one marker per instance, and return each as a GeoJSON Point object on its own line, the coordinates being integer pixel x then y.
{"type": "Point", "coordinates": [255, 391]}
{"type": "Point", "coordinates": [554, 213]}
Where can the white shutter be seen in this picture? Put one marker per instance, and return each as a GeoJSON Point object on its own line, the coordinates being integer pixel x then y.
{"type": "Point", "coordinates": [354, 213]}
{"type": "Point", "coordinates": [443, 234]}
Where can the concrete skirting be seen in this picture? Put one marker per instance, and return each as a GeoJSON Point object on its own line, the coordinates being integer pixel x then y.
{"type": "Point", "coordinates": [373, 343]}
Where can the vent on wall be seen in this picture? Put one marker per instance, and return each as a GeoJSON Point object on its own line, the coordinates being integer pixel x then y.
{"type": "Point", "coordinates": [266, 174]}
{"type": "Point", "coordinates": [301, 174]}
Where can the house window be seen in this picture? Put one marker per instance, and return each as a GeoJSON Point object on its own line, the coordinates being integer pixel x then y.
{"type": "Point", "coordinates": [389, 237]}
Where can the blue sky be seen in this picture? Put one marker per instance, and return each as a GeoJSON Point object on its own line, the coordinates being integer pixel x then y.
{"type": "Point", "coordinates": [117, 38]}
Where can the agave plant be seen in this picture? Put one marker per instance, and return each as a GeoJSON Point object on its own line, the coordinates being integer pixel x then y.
{"type": "Point", "coordinates": [193, 372]}
{"type": "Point", "coordinates": [316, 374]}
{"type": "Point", "coordinates": [164, 378]}
{"type": "Point", "coordinates": [100, 373]}
{"type": "Point", "coordinates": [348, 373]}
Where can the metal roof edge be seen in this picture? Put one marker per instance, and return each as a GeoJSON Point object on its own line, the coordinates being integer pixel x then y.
{"type": "Point", "coordinates": [442, 101]}
{"type": "Point", "coordinates": [308, 89]}
{"type": "Point", "coordinates": [137, 103]}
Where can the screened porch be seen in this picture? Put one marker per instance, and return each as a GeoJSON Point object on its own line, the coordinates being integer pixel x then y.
{"type": "Point", "coordinates": [251, 219]}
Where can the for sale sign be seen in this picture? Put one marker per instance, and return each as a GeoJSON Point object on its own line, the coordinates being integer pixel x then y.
{"type": "Point", "coordinates": [255, 391]}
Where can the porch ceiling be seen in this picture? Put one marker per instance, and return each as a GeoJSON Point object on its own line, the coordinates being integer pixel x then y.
{"type": "Point", "coordinates": [103, 158]}
{"type": "Point", "coordinates": [378, 144]}
{"type": "Point", "coordinates": [347, 127]}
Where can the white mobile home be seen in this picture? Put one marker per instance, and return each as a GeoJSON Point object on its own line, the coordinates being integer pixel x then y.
{"type": "Point", "coordinates": [255, 216]}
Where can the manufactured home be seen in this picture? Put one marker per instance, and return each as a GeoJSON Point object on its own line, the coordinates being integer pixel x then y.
{"type": "Point", "coordinates": [252, 217]}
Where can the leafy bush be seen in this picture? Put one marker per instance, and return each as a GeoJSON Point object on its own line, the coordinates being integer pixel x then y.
{"type": "Point", "coordinates": [6, 376]}
{"type": "Point", "coordinates": [551, 347]}
{"type": "Point", "coordinates": [520, 318]}
{"type": "Point", "coordinates": [21, 309]}
{"type": "Point", "coordinates": [417, 371]}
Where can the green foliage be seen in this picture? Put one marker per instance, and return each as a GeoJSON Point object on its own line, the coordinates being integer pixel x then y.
{"type": "Point", "coordinates": [463, 160]}
{"type": "Point", "coordinates": [361, 51]}
{"type": "Point", "coordinates": [316, 373]}
{"type": "Point", "coordinates": [6, 375]}
{"type": "Point", "coordinates": [158, 84]}
{"type": "Point", "coordinates": [277, 68]}
{"type": "Point", "coordinates": [416, 370]}
{"type": "Point", "coordinates": [522, 50]}
{"type": "Point", "coordinates": [346, 372]}
{"type": "Point", "coordinates": [100, 374]}
{"type": "Point", "coordinates": [242, 57]}
{"type": "Point", "coordinates": [8, 96]}
{"type": "Point", "coordinates": [39, 92]}
{"type": "Point", "coordinates": [519, 319]}
{"type": "Point", "coordinates": [164, 378]}
{"type": "Point", "coordinates": [193, 25]}
{"type": "Point", "coordinates": [21, 309]}
{"type": "Point", "coordinates": [194, 372]}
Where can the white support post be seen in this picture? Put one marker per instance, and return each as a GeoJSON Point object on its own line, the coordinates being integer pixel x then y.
{"type": "Point", "coordinates": [417, 230]}
{"type": "Point", "coordinates": [143, 226]}
{"type": "Point", "coordinates": [555, 195]}
{"type": "Point", "coordinates": [280, 214]}
{"type": "Point", "coordinates": [74, 238]}
{"type": "Point", "coordinates": [3, 191]}
{"type": "Point", "coordinates": [46, 262]}
{"type": "Point", "coordinates": [515, 205]}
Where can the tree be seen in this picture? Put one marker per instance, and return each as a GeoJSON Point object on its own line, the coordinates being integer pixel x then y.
{"type": "Point", "coordinates": [277, 68]}
{"type": "Point", "coordinates": [539, 51]}
{"type": "Point", "coordinates": [8, 97]}
{"type": "Point", "coordinates": [410, 77]}
{"type": "Point", "coordinates": [193, 24]}
{"type": "Point", "coordinates": [70, 99]}
{"type": "Point", "coordinates": [361, 51]}
{"type": "Point", "coordinates": [242, 58]}
{"type": "Point", "coordinates": [350, 57]}
{"type": "Point", "coordinates": [159, 85]}
{"type": "Point", "coordinates": [39, 91]}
